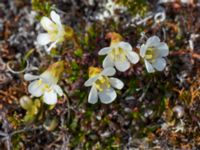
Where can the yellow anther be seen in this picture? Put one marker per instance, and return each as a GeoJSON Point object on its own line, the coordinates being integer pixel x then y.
{"type": "Point", "coordinates": [151, 54]}
{"type": "Point", "coordinates": [54, 32]}
{"type": "Point", "coordinates": [118, 54]}
{"type": "Point", "coordinates": [102, 83]}
{"type": "Point", "coordinates": [46, 88]}
{"type": "Point", "coordinates": [39, 82]}
{"type": "Point", "coordinates": [93, 71]}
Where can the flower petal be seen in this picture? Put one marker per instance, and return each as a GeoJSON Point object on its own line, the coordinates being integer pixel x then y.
{"type": "Point", "coordinates": [108, 62]}
{"type": "Point", "coordinates": [107, 96]}
{"type": "Point", "coordinates": [29, 77]}
{"type": "Point", "coordinates": [149, 67]}
{"type": "Point", "coordinates": [93, 97]}
{"type": "Point", "coordinates": [116, 83]}
{"type": "Point", "coordinates": [90, 81]}
{"type": "Point", "coordinates": [43, 39]}
{"type": "Point", "coordinates": [125, 46]}
{"type": "Point", "coordinates": [50, 97]}
{"type": "Point", "coordinates": [47, 24]}
{"type": "Point", "coordinates": [122, 65]}
{"type": "Point", "coordinates": [104, 51]}
{"type": "Point", "coordinates": [143, 50]}
{"type": "Point", "coordinates": [35, 88]}
{"type": "Point", "coordinates": [48, 77]}
{"type": "Point", "coordinates": [133, 57]}
{"type": "Point", "coordinates": [58, 89]}
{"type": "Point", "coordinates": [164, 49]}
{"type": "Point", "coordinates": [110, 71]}
{"type": "Point", "coordinates": [55, 17]}
{"type": "Point", "coordinates": [153, 41]}
{"type": "Point", "coordinates": [159, 64]}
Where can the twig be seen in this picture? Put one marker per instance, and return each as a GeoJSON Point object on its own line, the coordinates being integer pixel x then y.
{"type": "Point", "coordinates": [185, 52]}
{"type": "Point", "coordinates": [3, 134]}
{"type": "Point", "coordinates": [68, 106]}
{"type": "Point", "coordinates": [9, 136]}
{"type": "Point", "coordinates": [25, 130]}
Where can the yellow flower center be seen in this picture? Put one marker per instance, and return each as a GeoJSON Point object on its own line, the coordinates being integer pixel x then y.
{"type": "Point", "coordinates": [93, 71]}
{"type": "Point", "coordinates": [118, 54]}
{"type": "Point", "coordinates": [102, 83]}
{"type": "Point", "coordinates": [46, 87]}
{"type": "Point", "coordinates": [151, 54]}
{"type": "Point", "coordinates": [54, 33]}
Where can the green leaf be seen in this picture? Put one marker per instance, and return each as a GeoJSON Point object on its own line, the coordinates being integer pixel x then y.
{"type": "Point", "coordinates": [25, 102]}
{"type": "Point", "coordinates": [78, 52]}
{"type": "Point", "coordinates": [33, 110]}
{"type": "Point", "coordinates": [51, 125]}
{"type": "Point", "coordinates": [28, 118]}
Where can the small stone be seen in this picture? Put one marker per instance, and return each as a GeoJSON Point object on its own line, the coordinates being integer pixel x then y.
{"type": "Point", "coordinates": [179, 111]}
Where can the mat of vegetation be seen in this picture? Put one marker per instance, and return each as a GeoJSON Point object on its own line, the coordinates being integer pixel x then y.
{"type": "Point", "coordinates": [158, 110]}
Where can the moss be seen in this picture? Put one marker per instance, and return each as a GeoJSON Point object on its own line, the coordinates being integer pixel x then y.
{"type": "Point", "coordinates": [43, 7]}
{"type": "Point", "coordinates": [135, 6]}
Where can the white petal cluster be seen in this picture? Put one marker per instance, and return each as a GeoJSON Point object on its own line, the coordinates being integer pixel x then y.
{"type": "Point", "coordinates": [153, 52]}
{"type": "Point", "coordinates": [120, 55]}
{"type": "Point", "coordinates": [55, 31]}
{"type": "Point", "coordinates": [44, 85]}
{"type": "Point", "coordinates": [103, 86]}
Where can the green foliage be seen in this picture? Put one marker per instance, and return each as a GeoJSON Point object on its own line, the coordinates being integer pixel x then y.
{"type": "Point", "coordinates": [50, 124]}
{"type": "Point", "coordinates": [135, 6]}
{"type": "Point", "coordinates": [75, 71]}
{"type": "Point", "coordinates": [78, 52]}
{"type": "Point", "coordinates": [88, 40]}
{"type": "Point", "coordinates": [74, 124]}
{"type": "Point", "coordinates": [15, 120]}
{"type": "Point", "coordinates": [42, 6]}
{"type": "Point", "coordinates": [132, 86]}
{"type": "Point", "coordinates": [16, 140]}
{"type": "Point", "coordinates": [32, 107]}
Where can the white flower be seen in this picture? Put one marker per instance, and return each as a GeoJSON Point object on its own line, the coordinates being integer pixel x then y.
{"type": "Point", "coordinates": [119, 54]}
{"type": "Point", "coordinates": [102, 85]}
{"type": "Point", "coordinates": [55, 31]}
{"type": "Point", "coordinates": [46, 84]}
{"type": "Point", "coordinates": [153, 52]}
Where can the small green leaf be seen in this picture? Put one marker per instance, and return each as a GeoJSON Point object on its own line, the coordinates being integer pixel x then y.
{"type": "Point", "coordinates": [50, 125]}
{"type": "Point", "coordinates": [37, 103]}
{"type": "Point", "coordinates": [33, 110]}
{"type": "Point", "coordinates": [74, 124]}
{"type": "Point", "coordinates": [28, 118]}
{"type": "Point", "coordinates": [78, 52]}
{"type": "Point", "coordinates": [25, 102]}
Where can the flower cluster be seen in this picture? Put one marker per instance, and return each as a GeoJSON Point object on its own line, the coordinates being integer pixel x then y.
{"type": "Point", "coordinates": [119, 56]}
